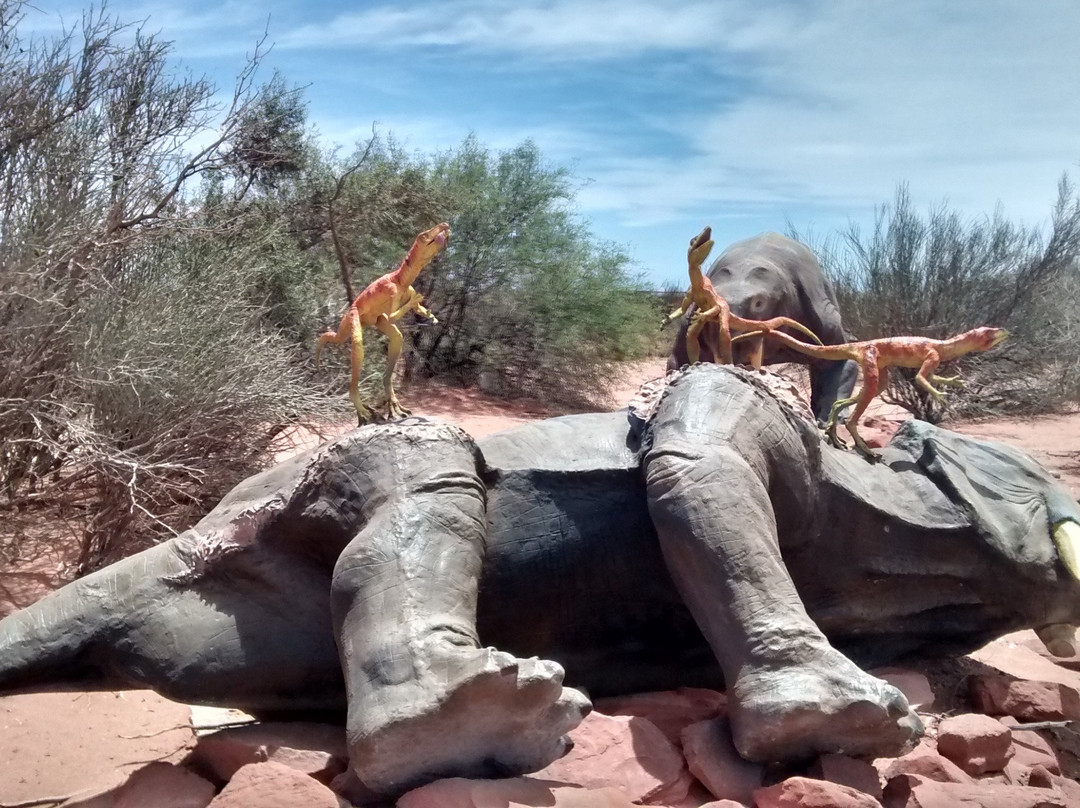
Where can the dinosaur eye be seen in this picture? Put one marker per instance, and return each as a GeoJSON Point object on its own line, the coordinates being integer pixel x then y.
{"type": "Point", "coordinates": [757, 304]}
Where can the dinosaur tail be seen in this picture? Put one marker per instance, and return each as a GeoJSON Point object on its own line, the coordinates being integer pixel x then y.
{"type": "Point", "coordinates": [57, 638]}
{"type": "Point", "coordinates": [47, 642]}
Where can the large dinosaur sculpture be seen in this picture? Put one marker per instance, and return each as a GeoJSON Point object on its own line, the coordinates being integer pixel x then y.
{"type": "Point", "coordinates": [876, 356]}
{"type": "Point", "coordinates": [385, 301]}
{"type": "Point", "coordinates": [719, 542]}
{"type": "Point", "coordinates": [710, 306]}
{"type": "Point", "coordinates": [774, 276]}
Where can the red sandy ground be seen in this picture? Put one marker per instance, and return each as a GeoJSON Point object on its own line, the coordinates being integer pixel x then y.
{"type": "Point", "coordinates": [46, 759]}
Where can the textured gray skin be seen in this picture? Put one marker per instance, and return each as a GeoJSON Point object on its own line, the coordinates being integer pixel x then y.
{"type": "Point", "coordinates": [724, 541]}
{"type": "Point", "coordinates": [771, 276]}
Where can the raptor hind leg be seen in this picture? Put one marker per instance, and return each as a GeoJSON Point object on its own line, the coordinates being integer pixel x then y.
{"type": "Point", "coordinates": [394, 409]}
{"type": "Point", "coordinates": [356, 361]}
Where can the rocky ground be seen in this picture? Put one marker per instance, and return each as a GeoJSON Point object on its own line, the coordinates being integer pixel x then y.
{"type": "Point", "coordinates": [998, 720]}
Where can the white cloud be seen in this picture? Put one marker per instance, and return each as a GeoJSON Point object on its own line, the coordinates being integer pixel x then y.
{"type": "Point", "coordinates": [970, 106]}
{"type": "Point", "coordinates": [573, 29]}
{"type": "Point", "coordinates": [976, 106]}
{"type": "Point", "coordinates": [785, 110]}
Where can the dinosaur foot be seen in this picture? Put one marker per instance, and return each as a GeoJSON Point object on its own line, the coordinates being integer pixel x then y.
{"type": "Point", "coordinates": [832, 438]}
{"type": "Point", "coordinates": [861, 446]}
{"type": "Point", "coordinates": [394, 409]}
{"type": "Point", "coordinates": [796, 712]}
{"type": "Point", "coordinates": [476, 712]}
{"type": "Point", "coordinates": [364, 413]}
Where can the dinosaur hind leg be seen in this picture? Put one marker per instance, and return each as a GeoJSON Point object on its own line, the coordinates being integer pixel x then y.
{"type": "Point", "coordinates": [356, 360]}
{"type": "Point", "coordinates": [874, 379]}
{"type": "Point", "coordinates": [394, 409]}
{"type": "Point", "coordinates": [403, 602]}
{"type": "Point", "coordinates": [834, 421]}
{"type": "Point", "coordinates": [947, 381]}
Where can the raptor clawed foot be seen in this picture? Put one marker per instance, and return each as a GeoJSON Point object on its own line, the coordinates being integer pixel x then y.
{"type": "Point", "coordinates": [394, 409]}
{"type": "Point", "coordinates": [863, 448]}
{"type": "Point", "coordinates": [834, 439]}
{"type": "Point", "coordinates": [948, 381]}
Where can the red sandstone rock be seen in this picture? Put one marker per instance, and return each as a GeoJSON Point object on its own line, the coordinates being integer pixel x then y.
{"type": "Point", "coordinates": [1012, 656]}
{"type": "Point", "coordinates": [1031, 752]}
{"type": "Point", "coordinates": [157, 785]}
{"type": "Point", "coordinates": [848, 771]}
{"type": "Point", "coordinates": [274, 785]}
{"type": "Point", "coordinates": [878, 431]}
{"type": "Point", "coordinates": [995, 694]}
{"type": "Point", "coordinates": [1038, 777]}
{"type": "Point", "coordinates": [711, 756]}
{"type": "Point", "coordinates": [908, 791]}
{"type": "Point", "coordinates": [914, 685]}
{"type": "Point", "coordinates": [626, 753]}
{"type": "Point", "coordinates": [804, 792]}
{"type": "Point", "coordinates": [317, 750]}
{"type": "Point", "coordinates": [976, 743]}
{"type": "Point", "coordinates": [923, 761]}
{"type": "Point", "coordinates": [670, 710]}
{"type": "Point", "coordinates": [1066, 787]}
{"type": "Point", "coordinates": [517, 791]}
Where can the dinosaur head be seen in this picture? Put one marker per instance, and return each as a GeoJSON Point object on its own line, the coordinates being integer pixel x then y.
{"type": "Point", "coordinates": [985, 338]}
{"type": "Point", "coordinates": [700, 245]}
{"type": "Point", "coordinates": [432, 241]}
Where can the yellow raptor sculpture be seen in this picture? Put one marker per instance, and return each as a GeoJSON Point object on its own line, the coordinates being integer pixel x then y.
{"type": "Point", "coordinates": [385, 301]}
{"type": "Point", "coordinates": [712, 306]}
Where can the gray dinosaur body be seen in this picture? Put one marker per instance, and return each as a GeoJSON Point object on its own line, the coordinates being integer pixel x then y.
{"type": "Point", "coordinates": [721, 542]}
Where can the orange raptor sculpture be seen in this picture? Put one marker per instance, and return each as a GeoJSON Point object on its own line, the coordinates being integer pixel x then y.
{"type": "Point", "coordinates": [385, 301]}
{"type": "Point", "coordinates": [876, 356]}
{"type": "Point", "coordinates": [712, 306]}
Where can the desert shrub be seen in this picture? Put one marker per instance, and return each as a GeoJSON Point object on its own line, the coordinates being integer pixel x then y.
{"type": "Point", "coordinates": [938, 274]}
{"type": "Point", "coordinates": [139, 375]}
{"type": "Point", "coordinates": [527, 301]}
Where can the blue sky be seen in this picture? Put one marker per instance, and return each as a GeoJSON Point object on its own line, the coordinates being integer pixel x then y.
{"type": "Point", "coordinates": [746, 115]}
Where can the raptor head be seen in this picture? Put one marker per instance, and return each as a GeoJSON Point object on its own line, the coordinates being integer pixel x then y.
{"type": "Point", "coordinates": [429, 243]}
{"type": "Point", "coordinates": [700, 245]}
{"type": "Point", "coordinates": [985, 337]}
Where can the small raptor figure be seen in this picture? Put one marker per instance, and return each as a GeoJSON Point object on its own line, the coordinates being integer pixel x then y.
{"type": "Point", "coordinates": [876, 356]}
{"type": "Point", "coordinates": [712, 306]}
{"type": "Point", "coordinates": [385, 301]}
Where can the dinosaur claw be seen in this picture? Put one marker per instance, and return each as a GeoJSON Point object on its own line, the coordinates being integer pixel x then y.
{"type": "Point", "coordinates": [1067, 540]}
{"type": "Point", "coordinates": [394, 409]}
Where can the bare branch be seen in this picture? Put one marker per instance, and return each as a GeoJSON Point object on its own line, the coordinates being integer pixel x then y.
{"type": "Point", "coordinates": [339, 185]}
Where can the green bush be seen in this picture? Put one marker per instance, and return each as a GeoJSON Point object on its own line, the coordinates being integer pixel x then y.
{"type": "Point", "coordinates": [527, 301]}
{"type": "Point", "coordinates": [938, 274]}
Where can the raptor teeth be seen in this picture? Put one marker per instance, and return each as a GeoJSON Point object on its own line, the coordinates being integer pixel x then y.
{"type": "Point", "coordinates": [1067, 541]}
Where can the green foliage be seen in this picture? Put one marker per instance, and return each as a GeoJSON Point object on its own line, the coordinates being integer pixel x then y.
{"type": "Point", "coordinates": [937, 275]}
{"type": "Point", "coordinates": [267, 146]}
{"type": "Point", "coordinates": [526, 301]}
